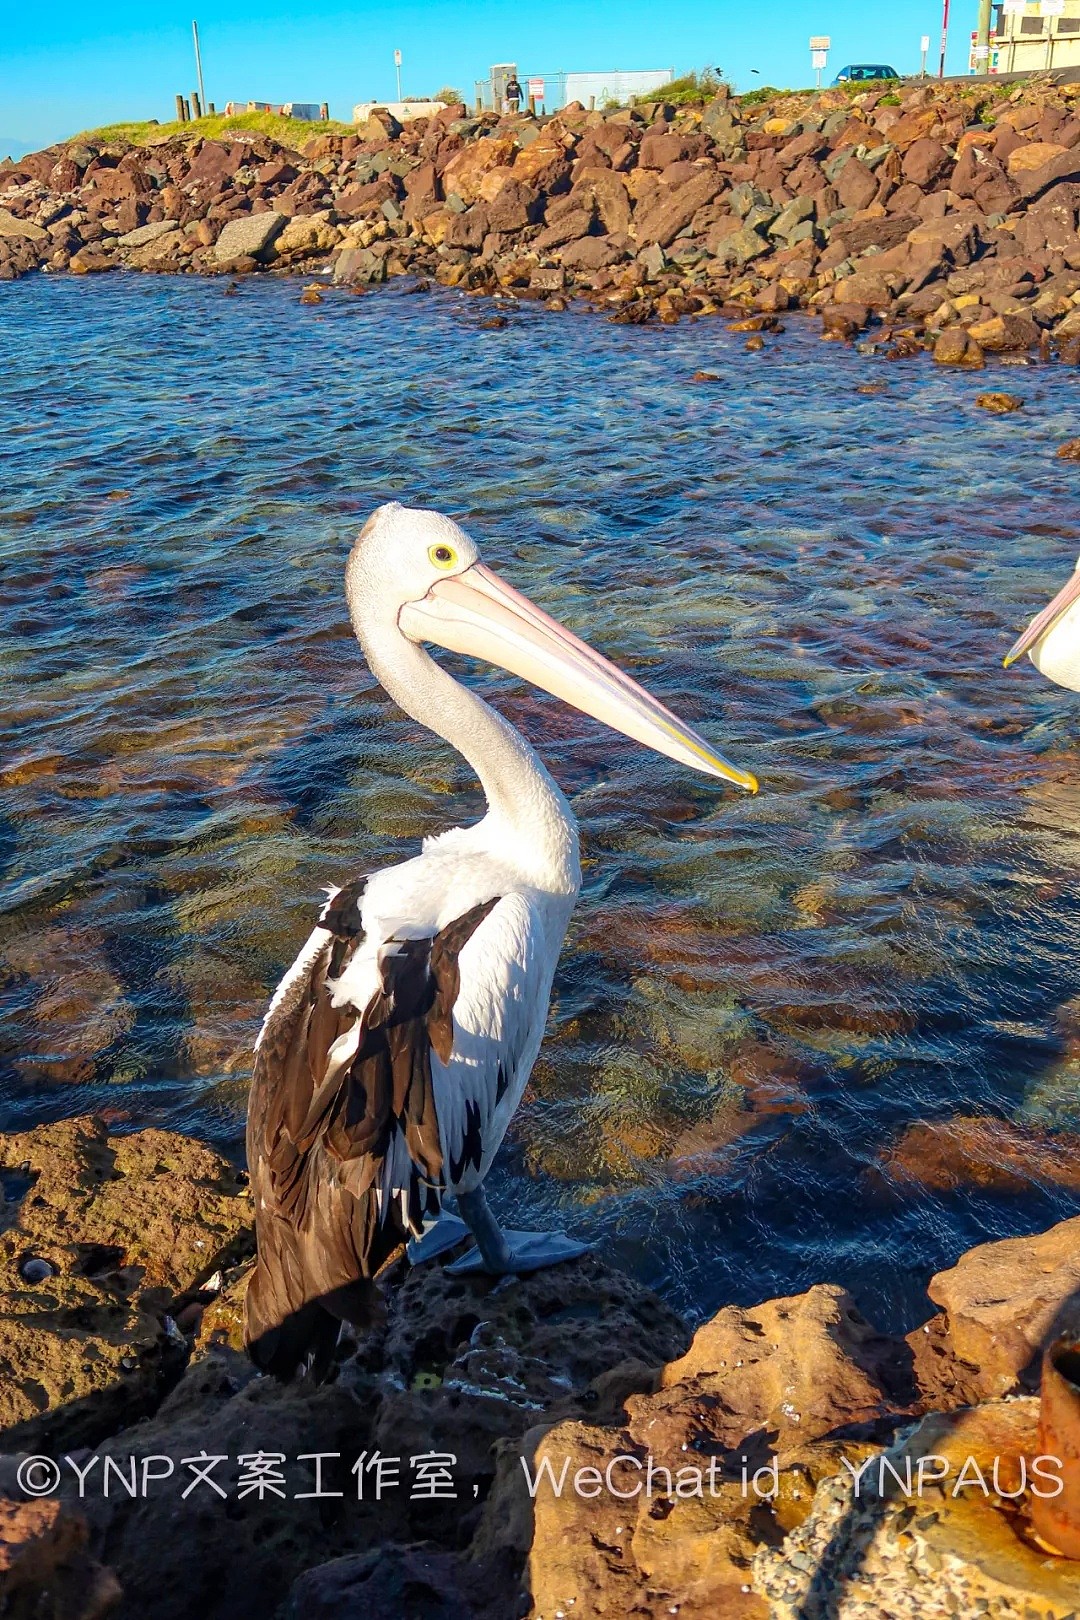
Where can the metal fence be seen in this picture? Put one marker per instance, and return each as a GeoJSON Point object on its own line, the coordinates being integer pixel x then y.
{"type": "Point", "coordinates": [591, 89]}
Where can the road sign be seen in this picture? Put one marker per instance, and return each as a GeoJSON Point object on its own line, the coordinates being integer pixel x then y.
{"type": "Point", "coordinates": [817, 59]}
{"type": "Point", "coordinates": [1014, 8]}
{"type": "Point", "coordinates": [536, 89]}
{"type": "Point", "coordinates": [924, 44]}
{"type": "Point", "coordinates": [1051, 8]}
{"type": "Point", "coordinates": [820, 42]}
{"type": "Point", "coordinates": [397, 58]}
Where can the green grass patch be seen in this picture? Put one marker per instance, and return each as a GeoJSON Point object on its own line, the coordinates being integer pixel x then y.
{"type": "Point", "coordinates": [289, 131]}
{"type": "Point", "coordinates": [764, 92]}
{"type": "Point", "coordinates": [689, 89]}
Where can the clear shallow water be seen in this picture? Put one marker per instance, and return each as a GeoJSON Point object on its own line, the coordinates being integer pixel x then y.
{"type": "Point", "coordinates": [758, 997]}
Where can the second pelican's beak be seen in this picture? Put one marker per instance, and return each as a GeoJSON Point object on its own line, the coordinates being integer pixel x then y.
{"type": "Point", "coordinates": [1045, 620]}
{"type": "Point", "coordinates": [476, 612]}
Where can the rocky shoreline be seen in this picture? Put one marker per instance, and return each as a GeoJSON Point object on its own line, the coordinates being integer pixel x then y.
{"type": "Point", "coordinates": [125, 1259]}
{"type": "Point", "coordinates": [939, 217]}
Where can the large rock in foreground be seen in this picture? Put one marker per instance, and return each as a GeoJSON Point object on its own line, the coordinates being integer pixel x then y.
{"type": "Point", "coordinates": [494, 1449]}
{"type": "Point", "coordinates": [949, 1546]}
{"type": "Point", "coordinates": [102, 1238]}
{"type": "Point", "coordinates": [1004, 1301]}
{"type": "Point", "coordinates": [663, 1512]}
{"type": "Point", "coordinates": [45, 1571]}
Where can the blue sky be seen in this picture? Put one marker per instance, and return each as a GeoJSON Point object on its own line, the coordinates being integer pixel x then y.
{"type": "Point", "coordinates": [67, 66]}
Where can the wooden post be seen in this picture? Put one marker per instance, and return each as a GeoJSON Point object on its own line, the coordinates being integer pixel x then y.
{"type": "Point", "coordinates": [196, 103]}
{"type": "Point", "coordinates": [179, 109]}
{"type": "Point", "coordinates": [211, 109]}
{"type": "Point", "coordinates": [532, 106]}
{"type": "Point", "coordinates": [324, 111]}
{"type": "Point", "coordinates": [592, 103]}
{"type": "Point", "coordinates": [478, 106]}
{"type": "Point", "coordinates": [187, 111]}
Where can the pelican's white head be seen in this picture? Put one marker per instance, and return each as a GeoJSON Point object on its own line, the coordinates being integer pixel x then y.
{"type": "Point", "coordinates": [416, 574]}
{"type": "Point", "coordinates": [1052, 639]}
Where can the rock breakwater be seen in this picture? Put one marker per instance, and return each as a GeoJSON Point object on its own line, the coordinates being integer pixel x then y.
{"type": "Point", "coordinates": [940, 217]}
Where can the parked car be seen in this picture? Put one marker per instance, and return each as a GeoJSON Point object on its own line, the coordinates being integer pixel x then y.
{"type": "Point", "coordinates": [864, 70]}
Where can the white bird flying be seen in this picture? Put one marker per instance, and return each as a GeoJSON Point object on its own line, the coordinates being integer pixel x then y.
{"type": "Point", "coordinates": [1052, 639]}
{"type": "Point", "coordinates": [397, 1046]}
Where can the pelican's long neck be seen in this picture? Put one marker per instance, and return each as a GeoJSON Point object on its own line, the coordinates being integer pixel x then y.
{"type": "Point", "coordinates": [527, 811]}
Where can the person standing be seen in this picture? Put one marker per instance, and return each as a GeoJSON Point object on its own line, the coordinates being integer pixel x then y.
{"type": "Point", "coordinates": [514, 95]}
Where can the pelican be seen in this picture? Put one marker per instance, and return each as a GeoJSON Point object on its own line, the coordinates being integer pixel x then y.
{"type": "Point", "coordinates": [1052, 639]}
{"type": "Point", "coordinates": [396, 1048]}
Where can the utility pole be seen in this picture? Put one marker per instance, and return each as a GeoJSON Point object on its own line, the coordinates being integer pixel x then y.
{"type": "Point", "coordinates": [198, 64]}
{"type": "Point", "coordinates": [944, 37]}
{"type": "Point", "coordinates": [982, 38]}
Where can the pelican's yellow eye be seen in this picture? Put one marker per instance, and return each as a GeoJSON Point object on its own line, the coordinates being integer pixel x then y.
{"type": "Point", "coordinates": [443, 556]}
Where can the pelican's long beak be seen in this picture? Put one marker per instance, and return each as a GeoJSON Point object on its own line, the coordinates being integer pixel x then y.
{"type": "Point", "coordinates": [1045, 620]}
{"type": "Point", "coordinates": [476, 612]}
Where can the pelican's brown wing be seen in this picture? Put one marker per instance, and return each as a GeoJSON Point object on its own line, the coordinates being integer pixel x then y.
{"type": "Point", "coordinates": [337, 1094]}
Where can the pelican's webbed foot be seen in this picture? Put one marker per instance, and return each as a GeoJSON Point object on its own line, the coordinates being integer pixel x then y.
{"type": "Point", "coordinates": [506, 1253]}
{"type": "Point", "coordinates": [446, 1233]}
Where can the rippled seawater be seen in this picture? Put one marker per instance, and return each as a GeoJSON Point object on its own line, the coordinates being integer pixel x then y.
{"type": "Point", "coordinates": [759, 999]}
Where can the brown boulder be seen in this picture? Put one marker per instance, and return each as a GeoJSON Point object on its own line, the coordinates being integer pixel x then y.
{"type": "Point", "coordinates": [958, 236]}
{"type": "Point", "coordinates": [465, 170]}
{"type": "Point", "coordinates": [593, 253]}
{"type": "Point", "coordinates": [566, 223]}
{"type": "Point", "coordinates": [975, 168]}
{"type": "Point", "coordinates": [844, 320]}
{"type": "Point", "coordinates": [656, 1515]}
{"type": "Point", "coordinates": [113, 185]}
{"type": "Point", "coordinates": [1004, 1300]}
{"type": "Point", "coordinates": [913, 126]}
{"type": "Point", "coordinates": [422, 191]}
{"type": "Point", "coordinates": [856, 185]}
{"type": "Point", "coordinates": [802, 1368]}
{"type": "Point", "coordinates": [865, 288]}
{"type": "Point", "coordinates": [276, 173]}
{"type": "Point", "coordinates": [659, 149]}
{"type": "Point", "coordinates": [513, 208]}
{"type": "Point", "coordinates": [999, 404]}
{"type": "Point", "coordinates": [545, 165]}
{"type": "Point", "coordinates": [1006, 333]}
{"type": "Point", "coordinates": [88, 263]}
{"type": "Point", "coordinates": [608, 195]}
{"type": "Point", "coordinates": [45, 1571]}
{"type": "Point", "coordinates": [357, 202]}
{"type": "Point", "coordinates": [468, 230]}
{"type": "Point", "coordinates": [64, 176]}
{"type": "Point", "coordinates": [670, 211]}
{"type": "Point", "coordinates": [379, 127]}
{"type": "Point", "coordinates": [1032, 155]}
{"type": "Point", "coordinates": [116, 1228]}
{"type": "Point", "coordinates": [215, 162]}
{"type": "Point", "coordinates": [925, 161]}
{"type": "Point", "coordinates": [132, 213]}
{"type": "Point", "coordinates": [955, 348]}
{"type": "Point", "coordinates": [1033, 183]}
